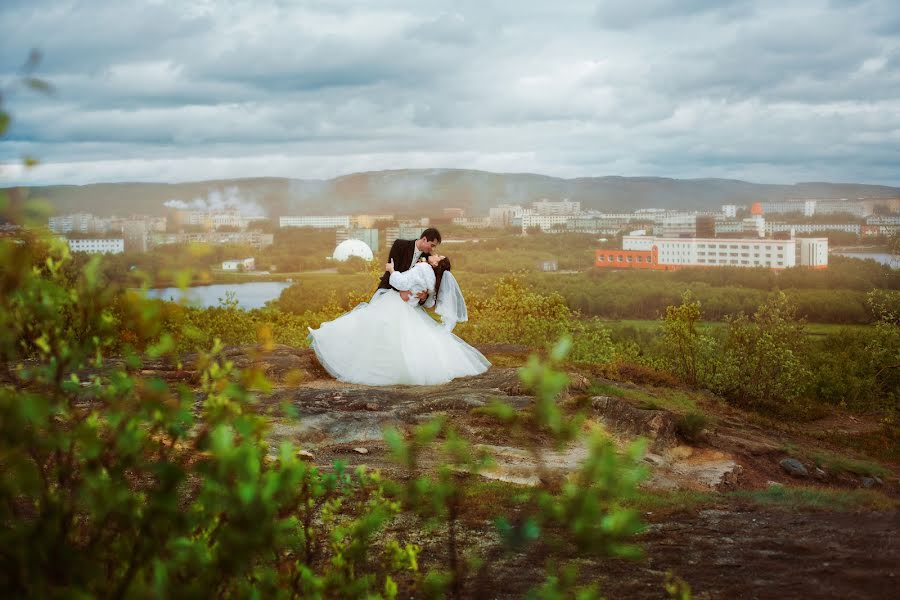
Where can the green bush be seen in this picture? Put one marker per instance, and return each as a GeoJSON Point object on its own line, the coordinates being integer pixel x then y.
{"type": "Point", "coordinates": [690, 426]}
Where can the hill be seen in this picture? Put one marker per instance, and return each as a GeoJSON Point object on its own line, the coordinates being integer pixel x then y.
{"type": "Point", "coordinates": [425, 191]}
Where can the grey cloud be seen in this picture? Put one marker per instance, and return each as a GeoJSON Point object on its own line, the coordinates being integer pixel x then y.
{"type": "Point", "coordinates": [628, 14]}
{"type": "Point", "coordinates": [681, 89]}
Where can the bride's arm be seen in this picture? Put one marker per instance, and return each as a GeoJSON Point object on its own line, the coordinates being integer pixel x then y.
{"type": "Point", "coordinates": [402, 281]}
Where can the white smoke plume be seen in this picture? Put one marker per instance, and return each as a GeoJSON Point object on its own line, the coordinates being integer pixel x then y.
{"type": "Point", "coordinates": [218, 200]}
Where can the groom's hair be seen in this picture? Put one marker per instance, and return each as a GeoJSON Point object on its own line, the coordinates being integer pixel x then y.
{"type": "Point", "coordinates": [442, 266]}
{"type": "Point", "coordinates": [431, 234]}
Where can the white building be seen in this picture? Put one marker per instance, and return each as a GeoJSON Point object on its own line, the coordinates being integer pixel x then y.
{"type": "Point", "coordinates": [545, 222]}
{"type": "Point", "coordinates": [754, 224]}
{"type": "Point", "coordinates": [97, 245]}
{"type": "Point", "coordinates": [503, 214]}
{"type": "Point", "coordinates": [245, 238]}
{"type": "Point", "coordinates": [729, 226]}
{"type": "Point", "coordinates": [473, 222]}
{"type": "Point", "coordinates": [245, 264]}
{"type": "Point", "coordinates": [853, 228]}
{"type": "Point", "coordinates": [883, 220]}
{"type": "Point", "coordinates": [369, 235]}
{"type": "Point", "coordinates": [405, 231]}
{"type": "Point", "coordinates": [78, 223]}
{"type": "Point", "coordinates": [730, 211]}
{"type": "Point", "coordinates": [711, 252]}
{"type": "Point", "coordinates": [813, 252]}
{"type": "Point", "coordinates": [679, 225]}
{"type": "Point", "coordinates": [806, 207]}
{"type": "Point", "coordinates": [561, 207]}
{"type": "Point", "coordinates": [318, 222]}
{"type": "Point", "coordinates": [349, 248]}
{"type": "Point", "coordinates": [853, 207]}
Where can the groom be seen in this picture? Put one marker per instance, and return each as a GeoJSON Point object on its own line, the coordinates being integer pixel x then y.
{"type": "Point", "coordinates": [406, 253]}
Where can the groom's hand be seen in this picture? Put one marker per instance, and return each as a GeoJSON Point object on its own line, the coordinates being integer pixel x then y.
{"type": "Point", "coordinates": [405, 295]}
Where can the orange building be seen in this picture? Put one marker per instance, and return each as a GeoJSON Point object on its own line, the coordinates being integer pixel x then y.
{"type": "Point", "coordinates": [756, 208]}
{"type": "Point", "coordinates": [630, 259]}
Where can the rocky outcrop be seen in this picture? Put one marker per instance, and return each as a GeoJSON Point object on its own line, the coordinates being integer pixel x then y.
{"type": "Point", "coordinates": [336, 420]}
{"type": "Point", "coordinates": [623, 417]}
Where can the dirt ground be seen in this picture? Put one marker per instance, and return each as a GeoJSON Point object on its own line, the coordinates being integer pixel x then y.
{"type": "Point", "coordinates": [746, 553]}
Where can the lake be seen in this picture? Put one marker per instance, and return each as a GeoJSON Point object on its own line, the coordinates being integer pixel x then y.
{"type": "Point", "coordinates": [882, 257]}
{"type": "Point", "coordinates": [248, 295]}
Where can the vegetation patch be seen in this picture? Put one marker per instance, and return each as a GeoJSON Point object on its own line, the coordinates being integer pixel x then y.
{"type": "Point", "coordinates": [818, 498]}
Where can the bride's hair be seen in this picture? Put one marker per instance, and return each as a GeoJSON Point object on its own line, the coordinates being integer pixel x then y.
{"type": "Point", "coordinates": [443, 265]}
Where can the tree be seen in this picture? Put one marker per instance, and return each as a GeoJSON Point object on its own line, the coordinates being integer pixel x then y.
{"type": "Point", "coordinates": [688, 351]}
{"type": "Point", "coordinates": [764, 356]}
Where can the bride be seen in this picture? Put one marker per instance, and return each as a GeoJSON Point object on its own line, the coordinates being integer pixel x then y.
{"type": "Point", "coordinates": [389, 341]}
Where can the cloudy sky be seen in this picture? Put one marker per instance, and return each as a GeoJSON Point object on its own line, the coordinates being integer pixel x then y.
{"type": "Point", "coordinates": [770, 91]}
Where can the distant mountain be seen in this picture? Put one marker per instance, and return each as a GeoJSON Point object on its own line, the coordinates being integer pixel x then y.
{"type": "Point", "coordinates": [426, 191]}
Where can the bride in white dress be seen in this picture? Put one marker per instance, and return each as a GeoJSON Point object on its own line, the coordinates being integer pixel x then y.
{"type": "Point", "coordinates": [391, 342]}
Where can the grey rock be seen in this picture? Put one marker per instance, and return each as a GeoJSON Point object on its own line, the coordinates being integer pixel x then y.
{"type": "Point", "coordinates": [868, 482]}
{"type": "Point", "coordinates": [819, 473]}
{"type": "Point", "coordinates": [794, 467]}
{"type": "Point", "coordinates": [622, 416]}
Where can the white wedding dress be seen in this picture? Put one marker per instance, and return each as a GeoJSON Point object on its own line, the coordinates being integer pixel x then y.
{"type": "Point", "coordinates": [391, 342]}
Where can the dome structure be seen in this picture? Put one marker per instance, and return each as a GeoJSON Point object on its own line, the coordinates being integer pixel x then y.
{"type": "Point", "coordinates": [349, 248]}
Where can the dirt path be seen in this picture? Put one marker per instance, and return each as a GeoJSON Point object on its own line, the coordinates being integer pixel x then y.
{"type": "Point", "coordinates": [751, 553]}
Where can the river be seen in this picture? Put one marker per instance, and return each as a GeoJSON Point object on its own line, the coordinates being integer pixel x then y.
{"type": "Point", "coordinates": [882, 257]}
{"type": "Point", "coordinates": [248, 295]}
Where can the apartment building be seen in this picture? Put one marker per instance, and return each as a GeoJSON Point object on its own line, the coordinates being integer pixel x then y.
{"type": "Point", "coordinates": [317, 222]}
{"type": "Point", "coordinates": [367, 235]}
{"type": "Point", "coordinates": [503, 214]}
{"type": "Point", "coordinates": [658, 253]}
{"type": "Point", "coordinates": [560, 207]}
{"type": "Point", "coordinates": [853, 228]}
{"type": "Point", "coordinates": [97, 245]}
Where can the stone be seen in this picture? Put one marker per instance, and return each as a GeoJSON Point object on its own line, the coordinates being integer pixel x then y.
{"type": "Point", "coordinates": [819, 473]}
{"type": "Point", "coordinates": [794, 467]}
{"type": "Point", "coordinates": [622, 416]}
{"type": "Point", "coordinates": [361, 450]}
{"type": "Point", "coordinates": [868, 482]}
{"type": "Point", "coordinates": [654, 459]}
{"type": "Point", "coordinates": [305, 454]}
{"type": "Point", "coordinates": [773, 484]}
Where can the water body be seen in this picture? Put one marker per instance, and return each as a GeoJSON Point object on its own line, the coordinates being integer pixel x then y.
{"type": "Point", "coordinates": [248, 295]}
{"type": "Point", "coordinates": [882, 257]}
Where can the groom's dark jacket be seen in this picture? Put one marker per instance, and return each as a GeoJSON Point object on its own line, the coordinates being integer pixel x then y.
{"type": "Point", "coordinates": [402, 254]}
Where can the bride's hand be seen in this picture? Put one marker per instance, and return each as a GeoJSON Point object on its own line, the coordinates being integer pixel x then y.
{"type": "Point", "coordinates": [390, 266]}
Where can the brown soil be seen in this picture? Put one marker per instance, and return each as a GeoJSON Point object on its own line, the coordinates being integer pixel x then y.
{"type": "Point", "coordinates": [745, 553]}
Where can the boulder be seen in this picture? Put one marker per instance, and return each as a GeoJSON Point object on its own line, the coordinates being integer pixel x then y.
{"type": "Point", "coordinates": [624, 417]}
{"type": "Point", "coordinates": [794, 467]}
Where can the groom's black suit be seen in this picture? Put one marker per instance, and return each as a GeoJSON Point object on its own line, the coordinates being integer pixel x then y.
{"type": "Point", "coordinates": [402, 255]}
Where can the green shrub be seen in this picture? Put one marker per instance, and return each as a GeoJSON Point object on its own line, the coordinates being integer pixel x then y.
{"type": "Point", "coordinates": [691, 426]}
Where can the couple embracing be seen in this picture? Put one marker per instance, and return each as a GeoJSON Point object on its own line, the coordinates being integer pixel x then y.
{"type": "Point", "coordinates": [392, 340]}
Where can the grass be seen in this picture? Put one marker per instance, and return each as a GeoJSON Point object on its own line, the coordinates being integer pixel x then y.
{"type": "Point", "coordinates": [653, 326]}
{"type": "Point", "coordinates": [674, 400]}
{"type": "Point", "coordinates": [836, 463]}
{"type": "Point", "coordinates": [799, 498]}
{"type": "Point", "coordinates": [816, 498]}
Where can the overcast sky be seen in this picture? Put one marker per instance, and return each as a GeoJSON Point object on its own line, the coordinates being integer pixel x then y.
{"type": "Point", "coordinates": [772, 91]}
